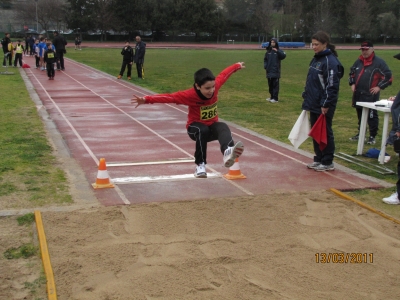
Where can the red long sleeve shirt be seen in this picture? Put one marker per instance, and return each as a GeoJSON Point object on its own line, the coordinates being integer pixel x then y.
{"type": "Point", "coordinates": [200, 110]}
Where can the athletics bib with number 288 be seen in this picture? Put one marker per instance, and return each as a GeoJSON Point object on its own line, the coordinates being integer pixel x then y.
{"type": "Point", "coordinates": [208, 112]}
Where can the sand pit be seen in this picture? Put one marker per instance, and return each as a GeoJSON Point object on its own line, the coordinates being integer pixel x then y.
{"type": "Point", "coordinates": [261, 247]}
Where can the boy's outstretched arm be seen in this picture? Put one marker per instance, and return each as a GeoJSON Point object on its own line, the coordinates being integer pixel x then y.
{"type": "Point", "coordinates": [138, 100]}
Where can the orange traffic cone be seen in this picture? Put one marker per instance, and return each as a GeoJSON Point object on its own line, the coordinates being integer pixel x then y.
{"type": "Point", "coordinates": [234, 172]}
{"type": "Point", "coordinates": [102, 180]}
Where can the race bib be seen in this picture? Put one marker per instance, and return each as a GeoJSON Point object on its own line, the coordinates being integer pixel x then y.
{"type": "Point", "coordinates": [50, 55]}
{"type": "Point", "coordinates": [208, 112]}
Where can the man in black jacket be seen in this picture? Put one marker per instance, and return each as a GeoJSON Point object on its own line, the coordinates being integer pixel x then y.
{"type": "Point", "coordinates": [140, 50]}
{"type": "Point", "coordinates": [127, 60]}
{"type": "Point", "coordinates": [59, 42]}
{"type": "Point", "coordinates": [4, 42]}
{"type": "Point", "coordinates": [368, 76]}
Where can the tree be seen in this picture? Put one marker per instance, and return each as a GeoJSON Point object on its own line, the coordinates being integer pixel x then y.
{"type": "Point", "coordinates": [49, 12]}
{"type": "Point", "coordinates": [103, 16]}
{"type": "Point", "coordinates": [196, 15]}
{"type": "Point", "coordinates": [359, 18]}
{"type": "Point", "coordinates": [388, 24]}
{"type": "Point", "coordinates": [5, 4]}
{"type": "Point", "coordinates": [79, 15]}
{"type": "Point", "coordinates": [263, 15]}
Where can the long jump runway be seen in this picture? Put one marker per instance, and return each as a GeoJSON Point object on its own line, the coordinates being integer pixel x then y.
{"type": "Point", "coordinates": [148, 153]}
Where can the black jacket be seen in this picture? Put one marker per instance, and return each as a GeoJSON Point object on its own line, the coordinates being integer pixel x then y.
{"type": "Point", "coordinates": [59, 42]}
{"type": "Point", "coordinates": [395, 110]}
{"type": "Point", "coordinates": [140, 50]}
{"type": "Point", "coordinates": [50, 56]}
{"type": "Point", "coordinates": [366, 74]}
{"type": "Point", "coordinates": [127, 53]}
{"type": "Point", "coordinates": [272, 60]}
{"type": "Point", "coordinates": [322, 85]}
{"type": "Point", "coordinates": [4, 42]}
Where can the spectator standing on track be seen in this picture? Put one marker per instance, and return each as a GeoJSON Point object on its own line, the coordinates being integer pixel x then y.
{"type": "Point", "coordinates": [42, 46]}
{"type": "Point", "coordinates": [78, 43]}
{"type": "Point", "coordinates": [393, 135]}
{"type": "Point", "coordinates": [127, 60]}
{"type": "Point", "coordinates": [31, 43]}
{"type": "Point", "coordinates": [7, 53]}
{"type": "Point", "coordinates": [37, 55]}
{"type": "Point", "coordinates": [321, 95]}
{"type": "Point", "coordinates": [59, 42]}
{"type": "Point", "coordinates": [368, 76]}
{"type": "Point", "coordinates": [50, 58]}
{"type": "Point", "coordinates": [272, 66]}
{"type": "Point", "coordinates": [19, 50]}
{"type": "Point", "coordinates": [26, 49]}
{"type": "Point", "coordinates": [202, 124]}
{"type": "Point", "coordinates": [140, 51]}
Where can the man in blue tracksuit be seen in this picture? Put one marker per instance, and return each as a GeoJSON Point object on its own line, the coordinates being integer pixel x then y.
{"type": "Point", "coordinates": [272, 66]}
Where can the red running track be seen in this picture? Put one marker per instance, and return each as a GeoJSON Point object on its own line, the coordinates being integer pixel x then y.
{"type": "Point", "coordinates": [149, 154]}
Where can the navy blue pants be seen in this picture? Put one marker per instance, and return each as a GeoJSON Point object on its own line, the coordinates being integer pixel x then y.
{"type": "Point", "coordinates": [273, 87]}
{"type": "Point", "coordinates": [325, 156]}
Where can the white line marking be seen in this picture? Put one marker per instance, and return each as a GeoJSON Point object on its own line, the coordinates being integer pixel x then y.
{"type": "Point", "coordinates": [150, 163]}
{"type": "Point", "coordinates": [126, 180]}
{"type": "Point", "coordinates": [67, 121]}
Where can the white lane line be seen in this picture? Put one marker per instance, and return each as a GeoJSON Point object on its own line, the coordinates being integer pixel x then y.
{"type": "Point", "coordinates": [66, 120]}
{"type": "Point", "coordinates": [128, 180]}
{"type": "Point", "coordinates": [150, 163]}
{"type": "Point", "coordinates": [134, 119]}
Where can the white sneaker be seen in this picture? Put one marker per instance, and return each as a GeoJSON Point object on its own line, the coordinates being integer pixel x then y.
{"type": "Point", "coordinates": [200, 171]}
{"type": "Point", "coordinates": [273, 101]}
{"type": "Point", "coordinates": [231, 153]}
{"type": "Point", "coordinates": [268, 99]}
{"type": "Point", "coordinates": [392, 199]}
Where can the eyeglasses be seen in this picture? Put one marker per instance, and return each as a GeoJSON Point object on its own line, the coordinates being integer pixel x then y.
{"type": "Point", "coordinates": [363, 49]}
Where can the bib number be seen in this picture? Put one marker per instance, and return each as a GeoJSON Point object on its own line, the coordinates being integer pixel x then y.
{"type": "Point", "coordinates": [208, 112]}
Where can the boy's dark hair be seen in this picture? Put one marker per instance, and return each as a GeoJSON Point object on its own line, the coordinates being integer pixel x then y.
{"type": "Point", "coordinates": [202, 76]}
{"type": "Point", "coordinates": [127, 42]}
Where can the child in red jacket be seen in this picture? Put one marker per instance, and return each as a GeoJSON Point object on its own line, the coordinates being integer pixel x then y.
{"type": "Point", "coordinates": [203, 125]}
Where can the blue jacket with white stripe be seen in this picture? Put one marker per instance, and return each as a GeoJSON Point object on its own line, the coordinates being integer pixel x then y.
{"type": "Point", "coordinates": [322, 84]}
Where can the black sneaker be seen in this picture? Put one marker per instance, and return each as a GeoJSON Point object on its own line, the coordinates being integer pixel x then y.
{"type": "Point", "coordinates": [371, 140]}
{"type": "Point", "coordinates": [354, 138]}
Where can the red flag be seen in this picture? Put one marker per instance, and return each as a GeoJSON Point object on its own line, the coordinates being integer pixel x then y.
{"type": "Point", "coordinates": [318, 132]}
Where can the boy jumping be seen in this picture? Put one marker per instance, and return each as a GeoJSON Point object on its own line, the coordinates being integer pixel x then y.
{"type": "Point", "coordinates": [202, 124]}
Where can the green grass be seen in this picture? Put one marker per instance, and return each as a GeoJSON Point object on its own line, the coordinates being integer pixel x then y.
{"type": "Point", "coordinates": [29, 173]}
{"type": "Point", "coordinates": [242, 98]}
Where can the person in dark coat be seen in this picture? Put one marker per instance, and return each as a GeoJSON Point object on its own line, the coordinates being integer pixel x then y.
{"type": "Point", "coordinates": [7, 53]}
{"type": "Point", "coordinates": [321, 95]}
{"type": "Point", "coordinates": [127, 60]}
{"type": "Point", "coordinates": [59, 42]}
{"type": "Point", "coordinates": [272, 66]}
{"type": "Point", "coordinates": [140, 50]}
{"type": "Point", "coordinates": [394, 134]}
{"type": "Point", "coordinates": [368, 76]}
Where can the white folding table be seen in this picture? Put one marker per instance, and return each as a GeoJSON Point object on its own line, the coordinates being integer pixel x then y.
{"type": "Point", "coordinates": [386, 110]}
